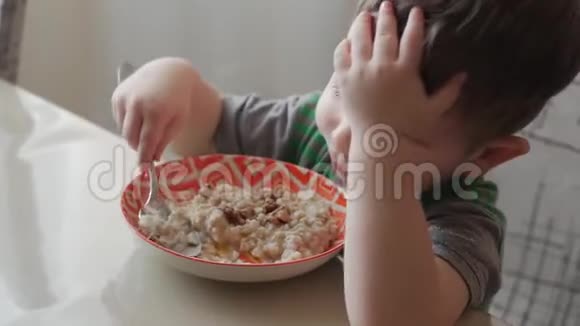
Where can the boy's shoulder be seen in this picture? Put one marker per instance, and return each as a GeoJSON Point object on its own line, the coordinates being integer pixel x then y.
{"type": "Point", "coordinates": [481, 193]}
{"type": "Point", "coordinates": [468, 230]}
{"type": "Point", "coordinates": [480, 189]}
{"type": "Point", "coordinates": [474, 205]}
{"type": "Point", "coordinates": [283, 129]}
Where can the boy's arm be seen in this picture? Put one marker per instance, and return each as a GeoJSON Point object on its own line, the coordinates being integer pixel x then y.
{"type": "Point", "coordinates": [253, 125]}
{"type": "Point", "coordinates": [392, 276]}
{"type": "Point", "coordinates": [398, 270]}
{"type": "Point", "coordinates": [233, 124]}
{"type": "Point", "coordinates": [196, 137]}
{"type": "Point", "coordinates": [409, 267]}
{"type": "Point", "coordinates": [468, 236]}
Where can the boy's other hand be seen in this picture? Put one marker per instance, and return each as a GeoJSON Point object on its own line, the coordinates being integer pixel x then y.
{"type": "Point", "coordinates": [380, 79]}
{"type": "Point", "coordinates": [150, 106]}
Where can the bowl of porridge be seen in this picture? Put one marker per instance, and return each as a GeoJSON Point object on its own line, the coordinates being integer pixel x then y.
{"type": "Point", "coordinates": [239, 218]}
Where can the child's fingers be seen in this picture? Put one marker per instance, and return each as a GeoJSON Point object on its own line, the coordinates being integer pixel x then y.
{"type": "Point", "coordinates": [121, 116]}
{"type": "Point", "coordinates": [118, 106]}
{"type": "Point", "coordinates": [150, 137]}
{"type": "Point", "coordinates": [360, 38]}
{"type": "Point", "coordinates": [411, 51]}
{"type": "Point", "coordinates": [132, 127]}
{"type": "Point", "coordinates": [446, 96]}
{"type": "Point", "coordinates": [168, 135]}
{"type": "Point", "coordinates": [386, 47]}
{"type": "Point", "coordinates": [342, 59]}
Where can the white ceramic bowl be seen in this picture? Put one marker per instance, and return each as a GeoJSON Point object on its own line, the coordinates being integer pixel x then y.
{"type": "Point", "coordinates": [179, 181]}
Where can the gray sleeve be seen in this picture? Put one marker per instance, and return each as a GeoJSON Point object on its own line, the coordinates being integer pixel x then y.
{"type": "Point", "coordinates": [255, 126]}
{"type": "Point", "coordinates": [470, 240]}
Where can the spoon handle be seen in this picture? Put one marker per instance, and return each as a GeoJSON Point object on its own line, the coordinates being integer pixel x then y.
{"type": "Point", "coordinates": [124, 71]}
{"type": "Point", "coordinates": [153, 185]}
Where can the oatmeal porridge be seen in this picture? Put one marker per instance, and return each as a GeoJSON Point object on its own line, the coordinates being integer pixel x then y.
{"type": "Point", "coordinates": [237, 226]}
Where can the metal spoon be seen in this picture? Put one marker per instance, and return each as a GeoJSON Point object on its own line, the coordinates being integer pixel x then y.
{"type": "Point", "coordinates": [154, 205]}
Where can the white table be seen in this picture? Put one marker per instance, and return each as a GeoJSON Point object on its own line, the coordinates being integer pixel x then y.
{"type": "Point", "coordinates": [67, 258]}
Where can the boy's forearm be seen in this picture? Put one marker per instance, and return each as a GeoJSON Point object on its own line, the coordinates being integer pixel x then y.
{"type": "Point", "coordinates": [391, 276]}
{"type": "Point", "coordinates": [197, 134]}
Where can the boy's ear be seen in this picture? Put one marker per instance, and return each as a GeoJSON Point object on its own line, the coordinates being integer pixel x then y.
{"type": "Point", "coordinates": [500, 151]}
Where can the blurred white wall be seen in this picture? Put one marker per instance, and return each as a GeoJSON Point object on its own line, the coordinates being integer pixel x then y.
{"type": "Point", "coordinates": [71, 48]}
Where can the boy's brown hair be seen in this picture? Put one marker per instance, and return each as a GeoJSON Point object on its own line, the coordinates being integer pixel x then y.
{"type": "Point", "coordinates": [517, 54]}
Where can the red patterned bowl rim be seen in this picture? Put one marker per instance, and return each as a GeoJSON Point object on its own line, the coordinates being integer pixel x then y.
{"type": "Point", "coordinates": [336, 248]}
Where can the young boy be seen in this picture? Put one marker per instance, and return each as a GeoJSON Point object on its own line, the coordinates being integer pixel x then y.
{"type": "Point", "coordinates": [452, 81]}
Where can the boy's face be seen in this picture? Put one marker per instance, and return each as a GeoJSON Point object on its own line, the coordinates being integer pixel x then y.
{"type": "Point", "coordinates": [449, 149]}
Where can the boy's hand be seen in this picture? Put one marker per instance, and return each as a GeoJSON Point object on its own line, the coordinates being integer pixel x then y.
{"type": "Point", "coordinates": [381, 83]}
{"type": "Point", "coordinates": [151, 106]}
